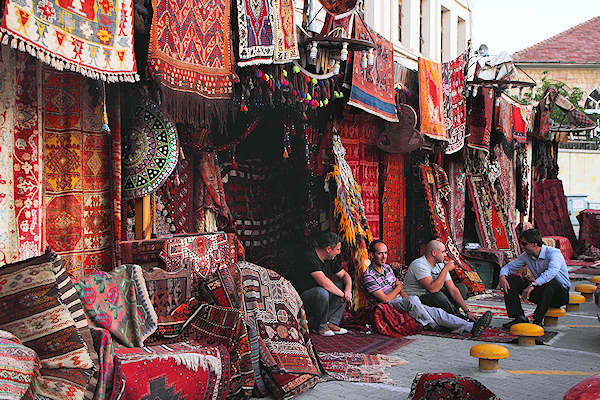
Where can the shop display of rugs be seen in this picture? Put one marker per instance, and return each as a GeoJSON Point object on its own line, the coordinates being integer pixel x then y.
{"type": "Point", "coordinates": [373, 87]}
{"type": "Point", "coordinates": [19, 366]}
{"type": "Point", "coordinates": [355, 367]}
{"type": "Point", "coordinates": [190, 52]}
{"type": "Point", "coordinates": [550, 210]}
{"type": "Point", "coordinates": [589, 226]}
{"type": "Point", "coordinates": [97, 40]}
{"type": "Point", "coordinates": [494, 226]}
{"type": "Point", "coordinates": [393, 205]}
{"type": "Point", "coordinates": [431, 97]}
{"type": "Point", "coordinates": [150, 150]}
{"type": "Point", "coordinates": [448, 386]}
{"type": "Point", "coordinates": [358, 133]}
{"type": "Point", "coordinates": [454, 77]}
{"type": "Point", "coordinates": [436, 185]}
{"type": "Point", "coordinates": [480, 119]}
{"type": "Point", "coordinates": [355, 342]}
{"type": "Point", "coordinates": [21, 155]}
{"type": "Point", "coordinates": [180, 370]}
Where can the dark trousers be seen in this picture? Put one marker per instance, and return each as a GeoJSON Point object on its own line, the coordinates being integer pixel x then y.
{"type": "Point", "coordinates": [550, 294]}
{"type": "Point", "coordinates": [444, 300]}
{"type": "Point", "coordinates": [322, 307]}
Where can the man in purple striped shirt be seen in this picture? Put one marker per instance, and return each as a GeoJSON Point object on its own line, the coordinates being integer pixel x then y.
{"type": "Point", "coordinates": [382, 286]}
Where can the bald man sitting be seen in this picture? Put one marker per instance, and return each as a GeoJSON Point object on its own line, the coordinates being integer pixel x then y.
{"type": "Point", "coordinates": [428, 277]}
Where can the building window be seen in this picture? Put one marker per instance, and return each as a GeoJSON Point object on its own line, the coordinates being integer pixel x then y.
{"type": "Point", "coordinates": [461, 35]}
{"type": "Point", "coordinates": [400, 20]}
{"type": "Point", "coordinates": [592, 103]}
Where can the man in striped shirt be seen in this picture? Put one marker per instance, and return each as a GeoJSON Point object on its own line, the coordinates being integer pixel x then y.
{"type": "Point", "coordinates": [382, 286]}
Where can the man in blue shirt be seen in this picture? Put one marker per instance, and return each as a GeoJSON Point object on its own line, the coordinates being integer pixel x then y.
{"type": "Point", "coordinates": [550, 287]}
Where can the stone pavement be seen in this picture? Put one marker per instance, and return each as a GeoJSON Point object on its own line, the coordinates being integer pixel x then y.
{"type": "Point", "coordinates": [539, 372]}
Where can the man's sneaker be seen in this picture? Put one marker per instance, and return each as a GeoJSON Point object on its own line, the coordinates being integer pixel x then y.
{"type": "Point", "coordinates": [482, 323]}
{"type": "Point", "coordinates": [326, 332]}
{"type": "Point", "coordinates": [518, 320]}
{"type": "Point", "coordinates": [337, 330]}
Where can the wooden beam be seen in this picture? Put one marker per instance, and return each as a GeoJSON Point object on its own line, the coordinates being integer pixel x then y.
{"type": "Point", "coordinates": [143, 218]}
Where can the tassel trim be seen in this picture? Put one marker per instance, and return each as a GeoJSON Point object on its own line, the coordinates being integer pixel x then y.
{"type": "Point", "coordinates": [59, 63]}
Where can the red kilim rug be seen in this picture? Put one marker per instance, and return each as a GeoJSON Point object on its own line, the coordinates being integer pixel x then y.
{"type": "Point", "coordinates": [358, 343]}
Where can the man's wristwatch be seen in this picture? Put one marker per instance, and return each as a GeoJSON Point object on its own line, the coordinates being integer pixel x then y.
{"type": "Point", "coordinates": [532, 284]}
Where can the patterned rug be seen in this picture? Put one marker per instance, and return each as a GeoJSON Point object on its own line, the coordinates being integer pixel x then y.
{"type": "Point", "coordinates": [498, 311]}
{"type": "Point", "coordinates": [187, 370]}
{"type": "Point", "coordinates": [456, 203]}
{"type": "Point", "coordinates": [284, 32]}
{"type": "Point", "coordinates": [190, 48]}
{"type": "Point", "coordinates": [507, 181]}
{"type": "Point", "coordinates": [174, 202]}
{"type": "Point", "coordinates": [20, 368]}
{"type": "Point", "coordinates": [358, 133]}
{"type": "Point", "coordinates": [454, 76]}
{"type": "Point", "coordinates": [94, 37]}
{"type": "Point", "coordinates": [150, 150]}
{"type": "Point", "coordinates": [480, 120]}
{"type": "Point", "coordinates": [494, 335]}
{"type": "Point", "coordinates": [448, 386]}
{"type": "Point", "coordinates": [373, 87]}
{"type": "Point", "coordinates": [354, 342]}
{"type": "Point", "coordinates": [118, 301]}
{"type": "Point", "coordinates": [353, 367]}
{"type": "Point", "coordinates": [21, 152]}
{"type": "Point", "coordinates": [493, 224]}
{"type": "Point", "coordinates": [550, 210]}
{"type": "Point", "coordinates": [589, 226]}
{"type": "Point", "coordinates": [431, 97]}
{"type": "Point", "coordinates": [435, 183]}
{"type": "Point", "coordinates": [394, 204]}
{"type": "Point", "coordinates": [78, 199]}
{"type": "Point", "coordinates": [255, 30]}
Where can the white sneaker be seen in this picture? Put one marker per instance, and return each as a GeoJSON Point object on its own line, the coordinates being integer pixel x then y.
{"type": "Point", "coordinates": [341, 331]}
{"type": "Point", "coordinates": [337, 329]}
{"type": "Point", "coordinates": [327, 332]}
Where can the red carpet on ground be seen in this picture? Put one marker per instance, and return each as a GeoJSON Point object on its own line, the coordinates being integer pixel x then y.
{"type": "Point", "coordinates": [496, 335]}
{"type": "Point", "coordinates": [358, 343]}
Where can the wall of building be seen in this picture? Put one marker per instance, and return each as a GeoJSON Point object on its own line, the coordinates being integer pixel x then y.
{"type": "Point", "coordinates": [579, 170]}
{"type": "Point", "coordinates": [587, 78]}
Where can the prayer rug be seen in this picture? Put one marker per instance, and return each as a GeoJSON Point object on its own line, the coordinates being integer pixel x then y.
{"type": "Point", "coordinates": [20, 368]}
{"type": "Point", "coordinates": [363, 343]}
{"type": "Point", "coordinates": [21, 152]}
{"type": "Point", "coordinates": [181, 370]}
{"type": "Point", "coordinates": [174, 203]}
{"type": "Point", "coordinates": [435, 183]}
{"type": "Point", "coordinates": [454, 77]}
{"type": "Point", "coordinates": [150, 150]}
{"type": "Point", "coordinates": [78, 211]}
{"type": "Point", "coordinates": [94, 38]}
{"type": "Point", "coordinates": [589, 226]}
{"type": "Point", "coordinates": [493, 225]}
{"type": "Point", "coordinates": [456, 205]}
{"type": "Point", "coordinates": [522, 117]}
{"type": "Point", "coordinates": [448, 386]}
{"type": "Point", "coordinates": [358, 134]}
{"type": "Point", "coordinates": [550, 210]}
{"type": "Point", "coordinates": [507, 181]}
{"type": "Point", "coordinates": [480, 119]}
{"type": "Point", "coordinates": [255, 30]}
{"type": "Point", "coordinates": [274, 308]}
{"type": "Point", "coordinates": [284, 32]}
{"type": "Point", "coordinates": [354, 367]}
{"type": "Point", "coordinates": [431, 97]}
{"type": "Point", "coordinates": [393, 205]}
{"type": "Point", "coordinates": [373, 87]}
{"type": "Point", "coordinates": [494, 335]}
{"type": "Point", "coordinates": [190, 48]}
{"type": "Point", "coordinates": [118, 301]}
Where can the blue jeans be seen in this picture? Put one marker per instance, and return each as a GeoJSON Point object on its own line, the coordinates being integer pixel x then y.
{"type": "Point", "coordinates": [322, 307]}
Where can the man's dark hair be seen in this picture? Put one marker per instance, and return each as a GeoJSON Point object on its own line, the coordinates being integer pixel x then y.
{"type": "Point", "coordinates": [323, 239]}
{"type": "Point", "coordinates": [373, 244]}
{"type": "Point", "coordinates": [532, 236]}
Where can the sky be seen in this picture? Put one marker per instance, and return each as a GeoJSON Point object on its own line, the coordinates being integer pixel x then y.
{"type": "Point", "coordinates": [513, 25]}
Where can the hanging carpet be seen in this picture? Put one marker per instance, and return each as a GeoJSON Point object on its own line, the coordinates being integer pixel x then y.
{"type": "Point", "coordinates": [94, 37]}
{"type": "Point", "coordinates": [255, 31]}
{"type": "Point", "coordinates": [494, 226]}
{"type": "Point", "coordinates": [456, 203]}
{"type": "Point", "coordinates": [431, 97]}
{"type": "Point", "coordinates": [589, 226]}
{"type": "Point", "coordinates": [480, 119]}
{"type": "Point", "coordinates": [373, 87]}
{"type": "Point", "coordinates": [454, 77]}
{"type": "Point", "coordinates": [150, 150]}
{"type": "Point", "coordinates": [190, 48]}
{"type": "Point", "coordinates": [174, 205]}
{"type": "Point", "coordinates": [550, 210]}
{"type": "Point", "coordinates": [437, 188]}
{"type": "Point", "coordinates": [394, 206]}
{"type": "Point", "coordinates": [284, 32]}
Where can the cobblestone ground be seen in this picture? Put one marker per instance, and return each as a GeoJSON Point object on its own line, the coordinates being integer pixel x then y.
{"type": "Point", "coordinates": [560, 364]}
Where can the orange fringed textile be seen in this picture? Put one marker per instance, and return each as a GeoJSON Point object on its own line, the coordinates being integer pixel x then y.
{"type": "Point", "coordinates": [431, 99]}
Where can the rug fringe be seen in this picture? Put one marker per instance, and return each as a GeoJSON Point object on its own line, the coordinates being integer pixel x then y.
{"type": "Point", "coordinates": [61, 64]}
